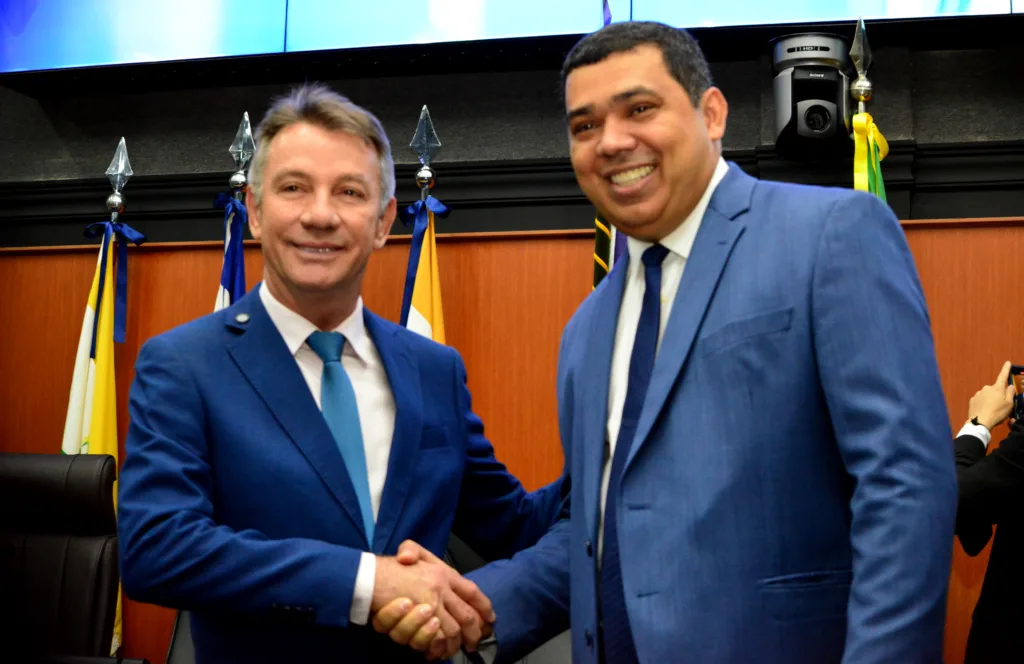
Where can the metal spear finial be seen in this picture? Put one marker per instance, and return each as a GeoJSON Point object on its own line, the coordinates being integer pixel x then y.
{"type": "Point", "coordinates": [119, 172]}
{"type": "Point", "coordinates": [242, 150]}
{"type": "Point", "coordinates": [425, 144]}
{"type": "Point", "coordinates": [860, 53]}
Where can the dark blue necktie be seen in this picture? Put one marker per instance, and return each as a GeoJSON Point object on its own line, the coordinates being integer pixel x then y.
{"type": "Point", "coordinates": [338, 402]}
{"type": "Point", "coordinates": [616, 637]}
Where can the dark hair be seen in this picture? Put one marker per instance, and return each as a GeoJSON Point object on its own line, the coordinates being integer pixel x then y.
{"type": "Point", "coordinates": [683, 57]}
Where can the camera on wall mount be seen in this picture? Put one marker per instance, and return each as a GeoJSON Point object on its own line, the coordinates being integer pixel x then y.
{"type": "Point", "coordinates": [811, 89]}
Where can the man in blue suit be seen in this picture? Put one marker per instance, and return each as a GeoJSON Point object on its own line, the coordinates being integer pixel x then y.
{"type": "Point", "coordinates": [281, 449]}
{"type": "Point", "coordinates": [749, 405]}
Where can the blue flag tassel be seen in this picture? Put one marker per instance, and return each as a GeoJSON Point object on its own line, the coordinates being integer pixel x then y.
{"type": "Point", "coordinates": [124, 234]}
{"type": "Point", "coordinates": [417, 215]}
{"type": "Point", "coordinates": [232, 276]}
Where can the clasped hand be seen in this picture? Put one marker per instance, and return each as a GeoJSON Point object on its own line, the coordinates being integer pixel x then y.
{"type": "Point", "coordinates": [421, 602]}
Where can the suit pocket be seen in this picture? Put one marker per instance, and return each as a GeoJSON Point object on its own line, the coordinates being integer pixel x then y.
{"type": "Point", "coordinates": [435, 438]}
{"type": "Point", "coordinates": [807, 595]}
{"type": "Point", "coordinates": [739, 331]}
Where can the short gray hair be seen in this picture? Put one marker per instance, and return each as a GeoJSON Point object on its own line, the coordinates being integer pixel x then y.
{"type": "Point", "coordinates": [320, 106]}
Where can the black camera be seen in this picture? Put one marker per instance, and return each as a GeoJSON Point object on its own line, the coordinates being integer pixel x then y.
{"type": "Point", "coordinates": [812, 108]}
{"type": "Point", "coordinates": [1016, 378]}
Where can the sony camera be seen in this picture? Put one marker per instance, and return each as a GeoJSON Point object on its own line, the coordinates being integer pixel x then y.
{"type": "Point", "coordinates": [812, 101]}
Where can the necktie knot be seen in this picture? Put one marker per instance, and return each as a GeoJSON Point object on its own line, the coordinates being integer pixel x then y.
{"type": "Point", "coordinates": [653, 256]}
{"type": "Point", "coordinates": [327, 345]}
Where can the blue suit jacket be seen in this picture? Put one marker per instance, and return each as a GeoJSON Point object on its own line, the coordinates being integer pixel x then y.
{"type": "Point", "coordinates": [234, 501]}
{"type": "Point", "coordinates": [790, 494]}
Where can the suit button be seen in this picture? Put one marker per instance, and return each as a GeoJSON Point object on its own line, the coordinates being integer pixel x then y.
{"type": "Point", "coordinates": [588, 636]}
{"type": "Point", "coordinates": [590, 549]}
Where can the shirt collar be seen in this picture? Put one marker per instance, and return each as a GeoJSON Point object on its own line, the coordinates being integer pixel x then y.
{"type": "Point", "coordinates": [295, 329]}
{"type": "Point", "coordinates": [680, 240]}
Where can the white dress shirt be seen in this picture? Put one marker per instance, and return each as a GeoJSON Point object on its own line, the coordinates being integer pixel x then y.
{"type": "Point", "coordinates": [678, 242]}
{"type": "Point", "coordinates": [374, 400]}
{"type": "Point", "coordinates": [979, 431]}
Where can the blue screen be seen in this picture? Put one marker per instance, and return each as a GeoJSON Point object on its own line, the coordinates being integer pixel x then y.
{"type": "Point", "coordinates": [54, 34]}
{"type": "Point", "coordinates": [326, 24]}
{"type": "Point", "coordinates": [755, 12]}
{"type": "Point", "coordinates": [51, 34]}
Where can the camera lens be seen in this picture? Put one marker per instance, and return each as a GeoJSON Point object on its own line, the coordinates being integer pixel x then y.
{"type": "Point", "coordinates": [817, 118]}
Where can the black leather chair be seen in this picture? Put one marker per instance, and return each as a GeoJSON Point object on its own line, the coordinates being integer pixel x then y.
{"type": "Point", "coordinates": [58, 557]}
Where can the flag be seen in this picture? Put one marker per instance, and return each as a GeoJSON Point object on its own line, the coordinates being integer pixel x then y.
{"type": "Point", "coordinates": [421, 302]}
{"type": "Point", "coordinates": [232, 273]}
{"type": "Point", "coordinates": [91, 423]}
{"type": "Point", "coordinates": [870, 148]}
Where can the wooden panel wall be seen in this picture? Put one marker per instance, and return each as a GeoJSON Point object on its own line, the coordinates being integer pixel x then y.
{"type": "Point", "coordinates": [506, 300]}
{"type": "Point", "coordinates": [968, 272]}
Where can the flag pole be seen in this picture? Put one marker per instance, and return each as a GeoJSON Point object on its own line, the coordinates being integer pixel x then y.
{"type": "Point", "coordinates": [421, 298]}
{"type": "Point", "coordinates": [236, 218]}
{"type": "Point", "coordinates": [870, 146]}
{"type": "Point", "coordinates": [242, 150]}
{"type": "Point", "coordinates": [860, 53]}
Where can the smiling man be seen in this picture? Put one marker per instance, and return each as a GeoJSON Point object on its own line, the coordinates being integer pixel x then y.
{"type": "Point", "coordinates": [281, 449]}
{"type": "Point", "coordinates": [750, 405]}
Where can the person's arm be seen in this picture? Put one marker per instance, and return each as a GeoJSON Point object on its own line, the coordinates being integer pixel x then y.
{"type": "Point", "coordinates": [992, 489]}
{"type": "Point", "coordinates": [873, 344]}
{"type": "Point", "coordinates": [972, 530]}
{"type": "Point", "coordinates": [985, 489]}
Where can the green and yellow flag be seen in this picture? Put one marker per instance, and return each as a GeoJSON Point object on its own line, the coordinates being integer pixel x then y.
{"type": "Point", "coordinates": [870, 148]}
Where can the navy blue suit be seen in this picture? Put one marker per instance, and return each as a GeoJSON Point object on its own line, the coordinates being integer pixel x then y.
{"type": "Point", "coordinates": [790, 494]}
{"type": "Point", "coordinates": [234, 501]}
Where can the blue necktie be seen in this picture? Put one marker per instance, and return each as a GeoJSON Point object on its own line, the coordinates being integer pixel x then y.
{"type": "Point", "coordinates": [338, 402]}
{"type": "Point", "coordinates": [616, 637]}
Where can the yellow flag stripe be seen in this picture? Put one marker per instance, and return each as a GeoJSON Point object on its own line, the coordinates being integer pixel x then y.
{"type": "Point", "coordinates": [865, 134]}
{"type": "Point", "coordinates": [426, 293]}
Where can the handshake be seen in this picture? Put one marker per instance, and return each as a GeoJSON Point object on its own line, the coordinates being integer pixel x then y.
{"type": "Point", "coordinates": [421, 602]}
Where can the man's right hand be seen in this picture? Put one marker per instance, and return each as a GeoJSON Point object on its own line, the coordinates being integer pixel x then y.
{"type": "Point", "coordinates": [992, 404]}
{"type": "Point", "coordinates": [464, 613]}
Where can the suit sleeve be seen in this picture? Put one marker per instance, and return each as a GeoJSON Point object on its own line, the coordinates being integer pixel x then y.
{"type": "Point", "coordinates": [496, 516]}
{"type": "Point", "coordinates": [530, 593]}
{"type": "Point", "coordinates": [173, 551]}
{"type": "Point", "coordinates": [873, 345]}
{"type": "Point", "coordinates": [991, 487]}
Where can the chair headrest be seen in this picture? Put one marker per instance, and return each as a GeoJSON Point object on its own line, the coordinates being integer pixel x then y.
{"type": "Point", "coordinates": [57, 493]}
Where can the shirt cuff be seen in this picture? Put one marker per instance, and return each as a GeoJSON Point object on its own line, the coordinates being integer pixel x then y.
{"type": "Point", "coordinates": [486, 652]}
{"type": "Point", "coordinates": [979, 431]}
{"type": "Point", "coordinates": [362, 594]}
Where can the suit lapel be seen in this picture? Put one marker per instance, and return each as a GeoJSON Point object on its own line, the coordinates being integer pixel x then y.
{"type": "Point", "coordinates": [404, 376]}
{"type": "Point", "coordinates": [595, 374]}
{"type": "Point", "coordinates": [719, 231]}
{"type": "Point", "coordinates": [260, 353]}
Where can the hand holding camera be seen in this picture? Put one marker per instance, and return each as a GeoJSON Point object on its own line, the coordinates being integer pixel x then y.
{"type": "Point", "coordinates": [992, 404]}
